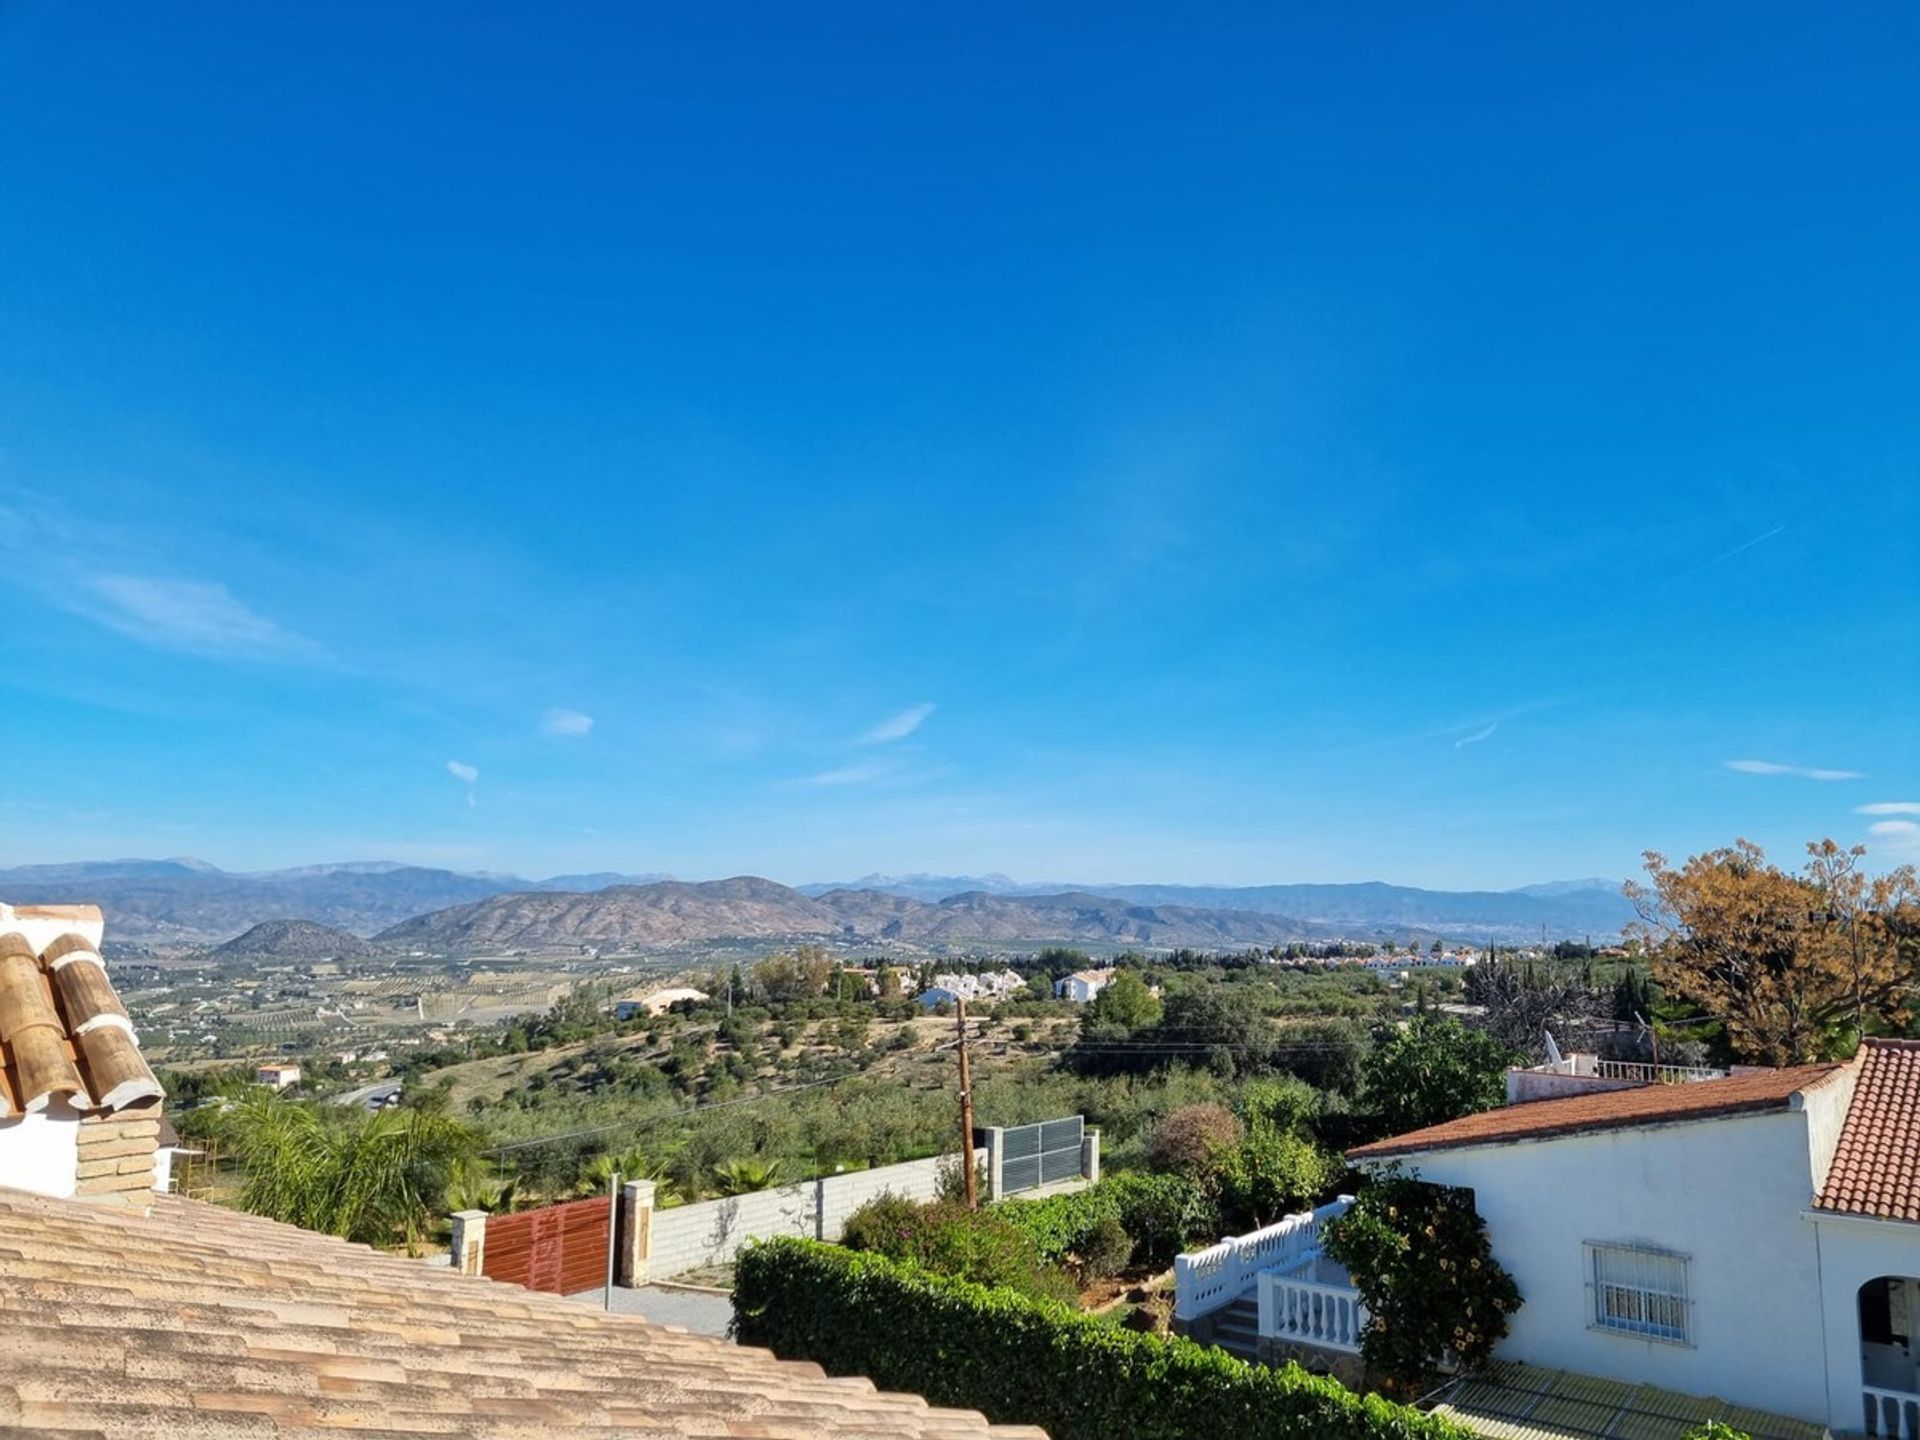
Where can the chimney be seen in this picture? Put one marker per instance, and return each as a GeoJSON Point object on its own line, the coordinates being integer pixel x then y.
{"type": "Point", "coordinates": [79, 1106]}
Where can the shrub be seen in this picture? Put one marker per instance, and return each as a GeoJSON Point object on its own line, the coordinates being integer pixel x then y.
{"type": "Point", "coordinates": [1162, 1214]}
{"type": "Point", "coordinates": [1419, 1256]}
{"type": "Point", "coordinates": [1185, 1142]}
{"type": "Point", "coordinates": [1108, 1248]}
{"type": "Point", "coordinates": [884, 1225]}
{"type": "Point", "coordinates": [1269, 1174]}
{"type": "Point", "coordinates": [1034, 1362]}
{"type": "Point", "coordinates": [947, 1238]}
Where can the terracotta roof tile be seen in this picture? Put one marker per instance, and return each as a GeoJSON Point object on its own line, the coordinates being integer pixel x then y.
{"type": "Point", "coordinates": [1609, 1110]}
{"type": "Point", "coordinates": [1876, 1165]}
{"type": "Point", "coordinates": [64, 1032]}
{"type": "Point", "coordinates": [192, 1321]}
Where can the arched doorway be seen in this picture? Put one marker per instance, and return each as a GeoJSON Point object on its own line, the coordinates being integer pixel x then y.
{"type": "Point", "coordinates": [1890, 1356]}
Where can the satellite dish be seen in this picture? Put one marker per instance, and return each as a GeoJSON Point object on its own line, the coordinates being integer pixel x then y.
{"type": "Point", "coordinates": [1553, 1050]}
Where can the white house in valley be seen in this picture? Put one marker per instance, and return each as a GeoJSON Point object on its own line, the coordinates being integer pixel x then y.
{"type": "Point", "coordinates": [1752, 1236]}
{"type": "Point", "coordinates": [1082, 985]}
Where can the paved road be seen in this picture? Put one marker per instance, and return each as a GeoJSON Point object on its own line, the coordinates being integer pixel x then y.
{"type": "Point", "coordinates": [696, 1310]}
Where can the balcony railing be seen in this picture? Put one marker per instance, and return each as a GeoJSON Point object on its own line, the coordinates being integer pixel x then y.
{"type": "Point", "coordinates": [1219, 1275]}
{"type": "Point", "coordinates": [1894, 1414]}
{"type": "Point", "coordinates": [1657, 1074]}
{"type": "Point", "coordinates": [1309, 1313]}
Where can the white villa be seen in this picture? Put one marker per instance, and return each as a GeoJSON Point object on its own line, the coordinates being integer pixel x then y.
{"type": "Point", "coordinates": [1752, 1235]}
{"type": "Point", "coordinates": [987, 987]}
{"type": "Point", "coordinates": [1082, 985]}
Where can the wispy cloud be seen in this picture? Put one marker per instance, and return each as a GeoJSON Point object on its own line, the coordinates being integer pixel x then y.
{"type": "Point", "coordinates": [1899, 837]}
{"type": "Point", "coordinates": [849, 774]}
{"type": "Point", "coordinates": [466, 774]}
{"type": "Point", "coordinates": [1802, 772]}
{"type": "Point", "coordinates": [898, 727]}
{"type": "Point", "coordinates": [197, 616]}
{"type": "Point", "coordinates": [565, 724]}
{"type": "Point", "coordinates": [1485, 732]}
{"type": "Point", "coordinates": [1889, 807]}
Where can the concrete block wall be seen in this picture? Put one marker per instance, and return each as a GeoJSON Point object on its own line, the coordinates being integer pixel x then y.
{"type": "Point", "coordinates": [693, 1237]}
{"type": "Point", "coordinates": [841, 1195]}
{"type": "Point", "coordinates": [712, 1232]}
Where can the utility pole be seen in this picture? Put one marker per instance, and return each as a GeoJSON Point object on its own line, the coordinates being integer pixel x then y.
{"type": "Point", "coordinates": [966, 1108]}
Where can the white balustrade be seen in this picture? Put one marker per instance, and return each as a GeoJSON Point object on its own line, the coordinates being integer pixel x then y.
{"type": "Point", "coordinates": [1309, 1313]}
{"type": "Point", "coordinates": [1222, 1273]}
{"type": "Point", "coordinates": [1894, 1414]}
{"type": "Point", "coordinates": [1657, 1074]}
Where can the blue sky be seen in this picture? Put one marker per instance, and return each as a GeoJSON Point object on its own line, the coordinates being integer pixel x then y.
{"type": "Point", "coordinates": [1235, 444]}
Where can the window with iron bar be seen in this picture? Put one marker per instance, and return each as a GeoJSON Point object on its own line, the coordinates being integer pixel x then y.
{"type": "Point", "coordinates": [1636, 1290]}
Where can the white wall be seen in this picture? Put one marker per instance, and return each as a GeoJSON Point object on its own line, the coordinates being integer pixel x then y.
{"type": "Point", "coordinates": [692, 1237]}
{"type": "Point", "coordinates": [41, 1151]}
{"type": "Point", "coordinates": [1853, 1250]}
{"type": "Point", "coordinates": [1728, 1193]}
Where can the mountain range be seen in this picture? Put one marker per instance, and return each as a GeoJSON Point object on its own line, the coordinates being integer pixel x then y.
{"type": "Point", "coordinates": [185, 902]}
{"type": "Point", "coordinates": [747, 907]}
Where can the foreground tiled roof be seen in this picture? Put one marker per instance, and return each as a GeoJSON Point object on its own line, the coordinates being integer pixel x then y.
{"type": "Point", "coordinates": [1522, 1402]}
{"type": "Point", "coordinates": [1876, 1166]}
{"type": "Point", "coordinates": [63, 1031]}
{"type": "Point", "coordinates": [1608, 1110]}
{"type": "Point", "coordinates": [197, 1323]}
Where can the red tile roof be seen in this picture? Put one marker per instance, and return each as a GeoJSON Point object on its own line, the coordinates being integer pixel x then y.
{"type": "Point", "coordinates": [1876, 1166]}
{"type": "Point", "coordinates": [1609, 1110]}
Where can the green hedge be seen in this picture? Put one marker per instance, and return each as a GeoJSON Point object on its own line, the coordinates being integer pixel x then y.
{"type": "Point", "coordinates": [1161, 1213]}
{"type": "Point", "coordinates": [1036, 1362]}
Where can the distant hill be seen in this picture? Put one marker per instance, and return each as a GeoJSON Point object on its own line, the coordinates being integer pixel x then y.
{"type": "Point", "coordinates": [292, 940]}
{"type": "Point", "coordinates": [171, 902]}
{"type": "Point", "coordinates": [189, 902]}
{"type": "Point", "coordinates": [931, 887]}
{"type": "Point", "coordinates": [1508, 915]}
{"type": "Point", "coordinates": [1562, 908]}
{"type": "Point", "coordinates": [747, 908]}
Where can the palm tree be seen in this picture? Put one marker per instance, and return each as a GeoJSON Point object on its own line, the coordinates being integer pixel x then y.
{"type": "Point", "coordinates": [475, 1187]}
{"type": "Point", "coordinates": [364, 1177]}
{"type": "Point", "coordinates": [632, 1165]}
{"type": "Point", "coordinates": [744, 1177]}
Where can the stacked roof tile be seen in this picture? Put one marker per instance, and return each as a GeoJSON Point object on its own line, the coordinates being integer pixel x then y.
{"type": "Point", "coordinates": [1876, 1165]}
{"type": "Point", "coordinates": [63, 1032]}
{"type": "Point", "coordinates": [1608, 1110]}
{"type": "Point", "coordinates": [197, 1323]}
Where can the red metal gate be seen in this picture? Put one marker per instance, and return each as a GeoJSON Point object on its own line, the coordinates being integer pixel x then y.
{"type": "Point", "coordinates": [562, 1249]}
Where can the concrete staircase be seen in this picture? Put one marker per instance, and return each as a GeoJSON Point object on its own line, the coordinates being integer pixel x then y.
{"type": "Point", "coordinates": [1236, 1328]}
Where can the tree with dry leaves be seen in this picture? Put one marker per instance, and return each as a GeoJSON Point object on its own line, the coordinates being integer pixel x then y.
{"type": "Point", "coordinates": [1797, 966]}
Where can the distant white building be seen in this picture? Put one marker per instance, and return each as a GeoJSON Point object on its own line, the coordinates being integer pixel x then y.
{"type": "Point", "coordinates": [1082, 985]}
{"type": "Point", "coordinates": [974, 989]}
{"type": "Point", "coordinates": [277, 1076]}
{"type": "Point", "coordinates": [656, 1002]}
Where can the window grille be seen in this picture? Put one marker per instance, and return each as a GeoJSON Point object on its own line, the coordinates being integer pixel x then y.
{"type": "Point", "coordinates": [1638, 1291]}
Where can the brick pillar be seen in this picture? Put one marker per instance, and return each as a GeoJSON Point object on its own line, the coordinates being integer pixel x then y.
{"type": "Point", "coordinates": [469, 1240]}
{"type": "Point", "coordinates": [632, 1265]}
{"type": "Point", "coordinates": [116, 1151]}
{"type": "Point", "coordinates": [1090, 1155]}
